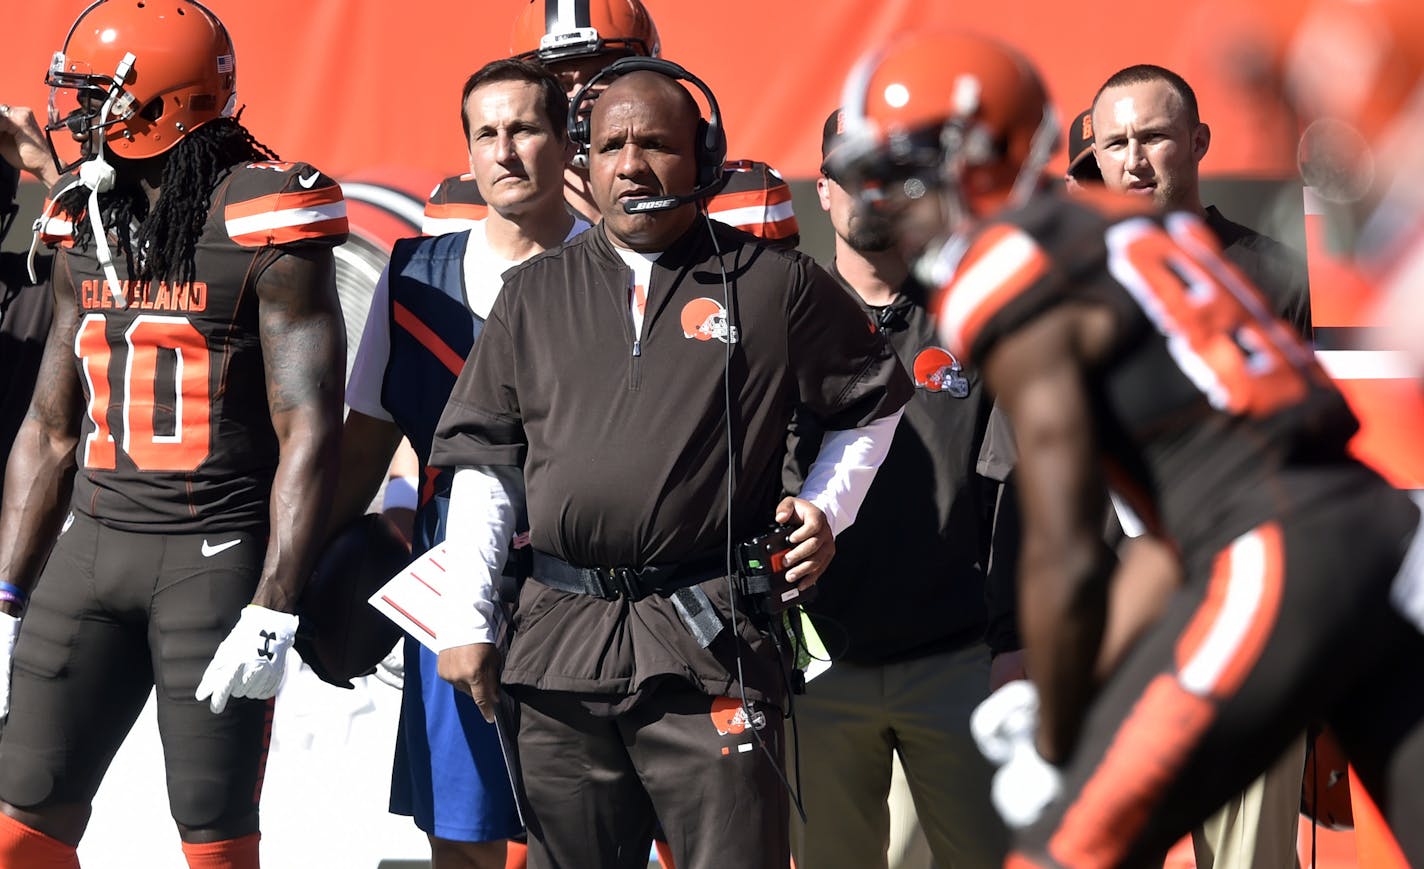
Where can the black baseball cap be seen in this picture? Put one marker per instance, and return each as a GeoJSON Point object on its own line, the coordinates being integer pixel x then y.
{"type": "Point", "coordinates": [1082, 166]}
{"type": "Point", "coordinates": [831, 132]}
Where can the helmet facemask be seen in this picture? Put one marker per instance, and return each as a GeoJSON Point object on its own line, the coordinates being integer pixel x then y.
{"type": "Point", "coordinates": [101, 102]}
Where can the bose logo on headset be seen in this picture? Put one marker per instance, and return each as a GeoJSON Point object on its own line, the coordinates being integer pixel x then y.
{"type": "Point", "coordinates": [711, 139]}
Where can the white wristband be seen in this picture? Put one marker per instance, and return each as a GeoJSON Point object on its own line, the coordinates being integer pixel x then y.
{"type": "Point", "coordinates": [400, 493]}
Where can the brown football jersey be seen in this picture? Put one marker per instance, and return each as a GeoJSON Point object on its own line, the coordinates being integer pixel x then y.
{"type": "Point", "coordinates": [176, 434]}
{"type": "Point", "coordinates": [1203, 394]}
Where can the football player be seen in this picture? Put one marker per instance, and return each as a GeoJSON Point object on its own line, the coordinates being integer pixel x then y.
{"type": "Point", "coordinates": [575, 41]}
{"type": "Point", "coordinates": [1127, 351]}
{"type": "Point", "coordinates": [176, 462]}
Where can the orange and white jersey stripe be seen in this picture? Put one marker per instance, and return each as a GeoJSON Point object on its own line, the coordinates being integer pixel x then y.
{"type": "Point", "coordinates": [283, 218]}
{"type": "Point", "coordinates": [999, 265]}
{"type": "Point", "coordinates": [455, 205]}
{"type": "Point", "coordinates": [756, 199]}
{"type": "Point", "coordinates": [56, 228]}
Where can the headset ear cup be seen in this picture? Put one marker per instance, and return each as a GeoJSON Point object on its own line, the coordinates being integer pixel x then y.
{"type": "Point", "coordinates": [706, 164]}
{"type": "Point", "coordinates": [714, 149]}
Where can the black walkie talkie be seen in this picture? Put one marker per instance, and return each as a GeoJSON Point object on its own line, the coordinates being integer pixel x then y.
{"type": "Point", "coordinates": [762, 564]}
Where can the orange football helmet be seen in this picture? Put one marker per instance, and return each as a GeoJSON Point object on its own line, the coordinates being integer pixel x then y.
{"type": "Point", "coordinates": [947, 109]}
{"type": "Point", "coordinates": [144, 75]}
{"type": "Point", "coordinates": [551, 30]}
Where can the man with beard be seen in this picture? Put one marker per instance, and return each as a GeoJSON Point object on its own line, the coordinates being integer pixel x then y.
{"type": "Point", "coordinates": [903, 610]}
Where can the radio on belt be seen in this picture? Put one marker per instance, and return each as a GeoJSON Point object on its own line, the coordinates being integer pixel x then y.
{"type": "Point", "coordinates": [762, 567]}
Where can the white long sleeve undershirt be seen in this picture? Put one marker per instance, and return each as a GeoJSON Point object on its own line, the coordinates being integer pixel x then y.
{"type": "Point", "coordinates": [845, 467]}
{"type": "Point", "coordinates": [484, 502]}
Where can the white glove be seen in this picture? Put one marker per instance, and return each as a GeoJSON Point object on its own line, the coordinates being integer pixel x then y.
{"type": "Point", "coordinates": [1006, 717]}
{"type": "Point", "coordinates": [250, 662]}
{"type": "Point", "coordinates": [391, 670]}
{"type": "Point", "coordinates": [9, 631]}
{"type": "Point", "coordinates": [1004, 726]}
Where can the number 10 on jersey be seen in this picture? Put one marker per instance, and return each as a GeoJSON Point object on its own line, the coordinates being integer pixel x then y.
{"type": "Point", "coordinates": [132, 389]}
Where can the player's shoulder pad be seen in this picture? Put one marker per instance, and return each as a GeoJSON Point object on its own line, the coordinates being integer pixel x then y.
{"type": "Point", "coordinates": [1000, 263]}
{"type": "Point", "coordinates": [276, 203]}
{"type": "Point", "coordinates": [453, 206]}
{"type": "Point", "coordinates": [756, 199]}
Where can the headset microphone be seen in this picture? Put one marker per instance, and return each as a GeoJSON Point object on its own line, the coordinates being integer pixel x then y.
{"type": "Point", "coordinates": [665, 203]}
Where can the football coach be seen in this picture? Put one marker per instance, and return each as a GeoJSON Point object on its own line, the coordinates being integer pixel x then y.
{"type": "Point", "coordinates": [630, 394]}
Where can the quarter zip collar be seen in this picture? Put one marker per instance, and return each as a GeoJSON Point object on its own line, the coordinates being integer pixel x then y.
{"type": "Point", "coordinates": [689, 248]}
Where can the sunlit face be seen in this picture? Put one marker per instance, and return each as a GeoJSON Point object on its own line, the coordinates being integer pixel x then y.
{"type": "Point", "coordinates": [642, 145]}
{"type": "Point", "coordinates": [516, 155]}
{"type": "Point", "coordinates": [1147, 145]}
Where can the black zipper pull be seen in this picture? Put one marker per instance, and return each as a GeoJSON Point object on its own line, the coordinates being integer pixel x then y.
{"type": "Point", "coordinates": [637, 347]}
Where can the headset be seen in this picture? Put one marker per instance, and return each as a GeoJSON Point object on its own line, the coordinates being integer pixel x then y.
{"type": "Point", "coordinates": [711, 138]}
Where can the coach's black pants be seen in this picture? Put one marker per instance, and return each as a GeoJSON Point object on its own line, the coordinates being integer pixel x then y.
{"type": "Point", "coordinates": [597, 785]}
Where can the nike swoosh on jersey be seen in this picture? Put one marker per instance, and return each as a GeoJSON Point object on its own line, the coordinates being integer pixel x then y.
{"type": "Point", "coordinates": [209, 550]}
{"type": "Point", "coordinates": [308, 181]}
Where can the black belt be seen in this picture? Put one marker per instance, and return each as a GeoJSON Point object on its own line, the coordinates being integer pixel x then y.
{"type": "Point", "coordinates": [610, 583]}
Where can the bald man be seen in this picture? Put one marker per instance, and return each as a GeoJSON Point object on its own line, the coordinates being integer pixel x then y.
{"type": "Point", "coordinates": [631, 391]}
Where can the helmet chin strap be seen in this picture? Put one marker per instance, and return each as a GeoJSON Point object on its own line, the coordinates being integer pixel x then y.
{"type": "Point", "coordinates": [99, 176]}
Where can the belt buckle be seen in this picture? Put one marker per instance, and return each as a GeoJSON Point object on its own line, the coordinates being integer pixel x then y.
{"type": "Point", "coordinates": [604, 588]}
{"type": "Point", "coordinates": [625, 580]}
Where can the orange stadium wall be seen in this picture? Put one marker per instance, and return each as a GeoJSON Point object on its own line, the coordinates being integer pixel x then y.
{"type": "Point", "coordinates": [357, 85]}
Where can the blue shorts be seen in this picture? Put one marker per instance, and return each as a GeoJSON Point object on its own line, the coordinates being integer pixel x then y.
{"type": "Point", "coordinates": [449, 771]}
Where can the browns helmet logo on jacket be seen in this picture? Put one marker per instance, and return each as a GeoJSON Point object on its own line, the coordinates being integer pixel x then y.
{"type": "Point", "coordinates": [704, 319]}
{"type": "Point", "coordinates": [936, 370]}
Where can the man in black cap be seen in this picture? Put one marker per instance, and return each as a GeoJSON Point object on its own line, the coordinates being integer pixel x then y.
{"type": "Point", "coordinates": [904, 611]}
{"type": "Point", "coordinates": [1082, 163]}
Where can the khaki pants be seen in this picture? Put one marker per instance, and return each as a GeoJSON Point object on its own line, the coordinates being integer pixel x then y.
{"type": "Point", "coordinates": [853, 721]}
{"type": "Point", "coordinates": [908, 847]}
{"type": "Point", "coordinates": [1258, 829]}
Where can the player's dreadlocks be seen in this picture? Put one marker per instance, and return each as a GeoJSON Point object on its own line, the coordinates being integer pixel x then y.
{"type": "Point", "coordinates": [167, 240]}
